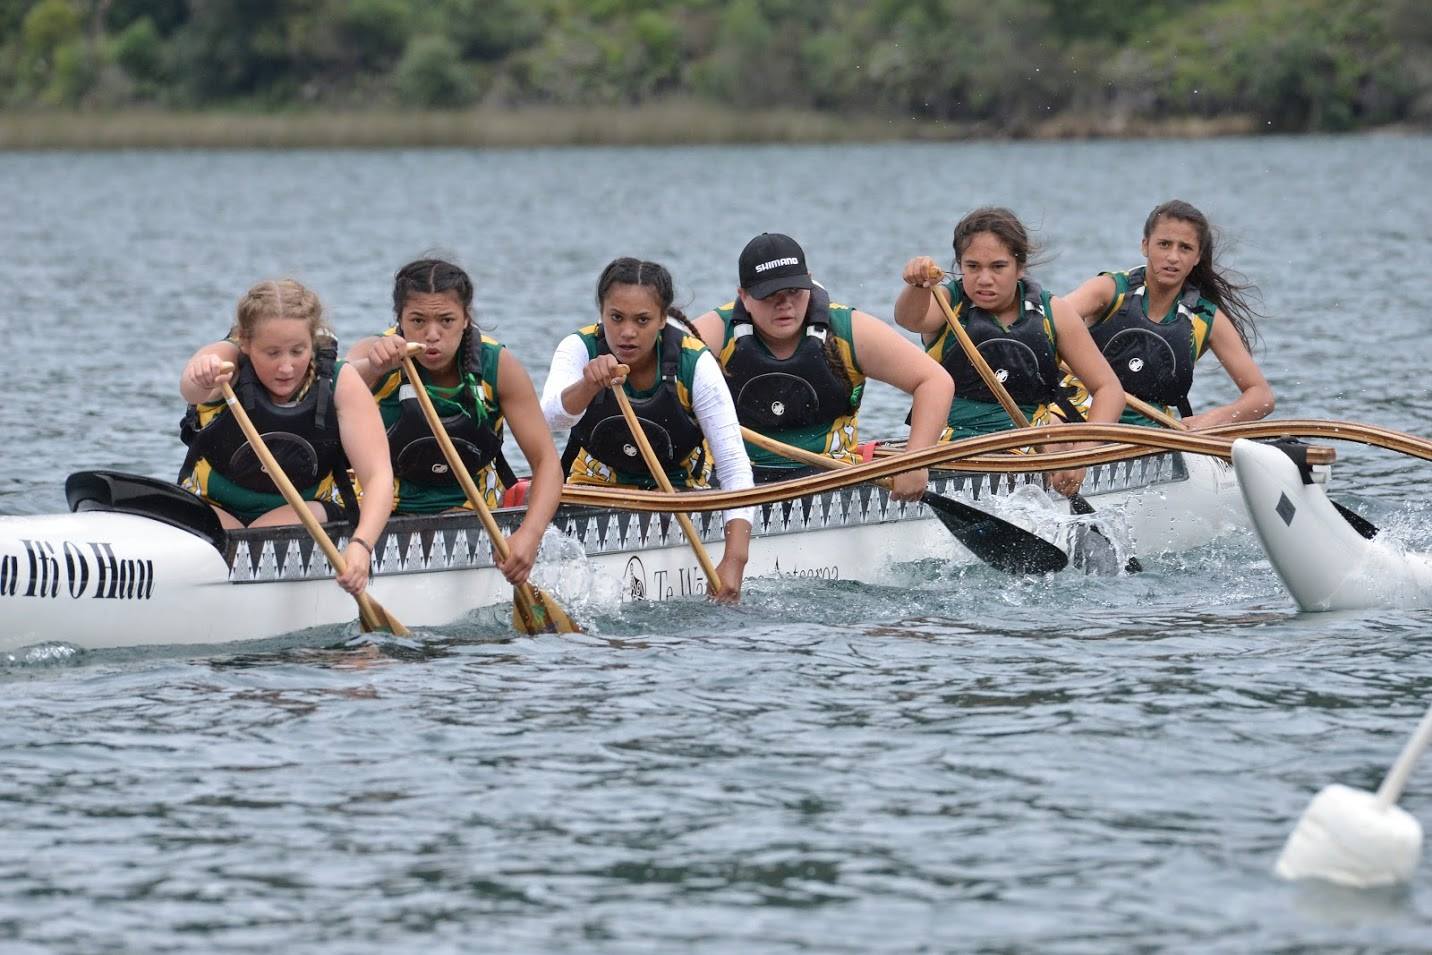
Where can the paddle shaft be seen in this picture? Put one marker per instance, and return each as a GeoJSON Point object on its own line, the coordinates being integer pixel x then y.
{"type": "Point", "coordinates": [1152, 412]}
{"type": "Point", "coordinates": [474, 496]}
{"type": "Point", "coordinates": [822, 461]}
{"type": "Point", "coordinates": [534, 610]}
{"type": "Point", "coordinates": [1391, 789]}
{"type": "Point", "coordinates": [658, 474]}
{"type": "Point", "coordinates": [367, 609]}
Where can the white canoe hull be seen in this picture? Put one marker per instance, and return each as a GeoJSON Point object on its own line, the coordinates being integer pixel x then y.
{"type": "Point", "coordinates": [1322, 560]}
{"type": "Point", "coordinates": [98, 579]}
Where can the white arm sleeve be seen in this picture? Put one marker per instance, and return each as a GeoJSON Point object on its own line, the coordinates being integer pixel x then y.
{"type": "Point", "coordinates": [716, 412]}
{"type": "Point", "coordinates": [567, 363]}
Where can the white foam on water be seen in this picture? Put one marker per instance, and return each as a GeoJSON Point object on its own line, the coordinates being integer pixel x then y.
{"type": "Point", "coordinates": [41, 654]}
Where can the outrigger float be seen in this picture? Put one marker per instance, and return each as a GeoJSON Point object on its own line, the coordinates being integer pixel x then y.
{"type": "Point", "coordinates": [137, 561]}
{"type": "Point", "coordinates": [1326, 562]}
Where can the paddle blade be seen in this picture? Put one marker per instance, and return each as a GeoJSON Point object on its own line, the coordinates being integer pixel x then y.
{"type": "Point", "coordinates": [998, 543]}
{"type": "Point", "coordinates": [1356, 521]}
{"type": "Point", "coordinates": [534, 611]}
{"type": "Point", "coordinates": [372, 616]}
{"type": "Point", "coordinates": [1093, 552]}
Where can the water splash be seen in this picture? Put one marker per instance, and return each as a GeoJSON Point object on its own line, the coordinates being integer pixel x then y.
{"type": "Point", "coordinates": [48, 654]}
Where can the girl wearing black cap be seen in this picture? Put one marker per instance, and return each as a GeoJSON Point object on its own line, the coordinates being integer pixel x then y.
{"type": "Point", "coordinates": [674, 385]}
{"type": "Point", "coordinates": [1020, 329]}
{"type": "Point", "coordinates": [797, 363]}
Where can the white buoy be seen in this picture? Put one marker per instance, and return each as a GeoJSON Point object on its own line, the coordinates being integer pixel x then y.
{"type": "Point", "coordinates": [1357, 838]}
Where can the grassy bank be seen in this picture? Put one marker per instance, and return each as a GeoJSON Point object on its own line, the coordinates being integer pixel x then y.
{"type": "Point", "coordinates": [664, 124]}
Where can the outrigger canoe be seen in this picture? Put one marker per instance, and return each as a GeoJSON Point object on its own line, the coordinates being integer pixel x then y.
{"type": "Point", "coordinates": [137, 561]}
{"type": "Point", "coordinates": [1325, 562]}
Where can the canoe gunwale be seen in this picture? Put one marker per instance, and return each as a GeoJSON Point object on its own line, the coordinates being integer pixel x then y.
{"type": "Point", "coordinates": [455, 540]}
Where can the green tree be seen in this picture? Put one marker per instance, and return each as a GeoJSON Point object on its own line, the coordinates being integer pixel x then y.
{"type": "Point", "coordinates": [375, 30]}
{"type": "Point", "coordinates": [73, 75]}
{"type": "Point", "coordinates": [488, 30]}
{"type": "Point", "coordinates": [12, 14]}
{"type": "Point", "coordinates": [166, 15]}
{"type": "Point", "coordinates": [432, 74]}
{"type": "Point", "coordinates": [744, 68]}
{"type": "Point", "coordinates": [49, 24]}
{"type": "Point", "coordinates": [139, 51]}
{"type": "Point", "coordinates": [232, 48]}
{"type": "Point", "coordinates": [47, 27]}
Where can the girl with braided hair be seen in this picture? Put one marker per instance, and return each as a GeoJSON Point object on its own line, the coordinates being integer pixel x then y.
{"type": "Point", "coordinates": [673, 384]}
{"type": "Point", "coordinates": [478, 387]}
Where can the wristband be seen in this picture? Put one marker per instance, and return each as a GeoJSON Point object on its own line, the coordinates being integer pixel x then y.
{"type": "Point", "coordinates": [355, 539]}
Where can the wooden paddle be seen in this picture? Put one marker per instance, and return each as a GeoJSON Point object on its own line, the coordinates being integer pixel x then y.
{"type": "Point", "coordinates": [1077, 503]}
{"type": "Point", "coordinates": [533, 610]}
{"type": "Point", "coordinates": [996, 542]}
{"type": "Point", "coordinates": [371, 615]}
{"type": "Point", "coordinates": [658, 474]}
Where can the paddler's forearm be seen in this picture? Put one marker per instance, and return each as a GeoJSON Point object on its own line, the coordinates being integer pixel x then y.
{"type": "Point", "coordinates": [544, 493]}
{"type": "Point", "coordinates": [375, 507]}
{"type": "Point", "coordinates": [1253, 405]}
{"type": "Point", "coordinates": [1106, 406]}
{"type": "Point", "coordinates": [576, 398]}
{"type": "Point", "coordinates": [930, 409]}
{"type": "Point", "coordinates": [911, 306]}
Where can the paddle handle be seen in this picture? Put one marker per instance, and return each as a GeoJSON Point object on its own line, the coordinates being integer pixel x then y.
{"type": "Point", "coordinates": [525, 596]}
{"type": "Point", "coordinates": [474, 496]}
{"type": "Point", "coordinates": [791, 451]}
{"type": "Point", "coordinates": [1152, 412]}
{"type": "Point", "coordinates": [295, 500]}
{"type": "Point", "coordinates": [800, 454]}
{"type": "Point", "coordinates": [986, 373]}
{"type": "Point", "coordinates": [1391, 789]}
{"type": "Point", "coordinates": [658, 474]}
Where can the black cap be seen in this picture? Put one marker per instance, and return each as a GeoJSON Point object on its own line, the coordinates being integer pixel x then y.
{"type": "Point", "coordinates": [771, 262]}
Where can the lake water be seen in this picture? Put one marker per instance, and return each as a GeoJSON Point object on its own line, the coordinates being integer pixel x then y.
{"type": "Point", "coordinates": [971, 763]}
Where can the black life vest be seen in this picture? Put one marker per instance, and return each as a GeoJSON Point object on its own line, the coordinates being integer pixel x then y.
{"type": "Point", "coordinates": [303, 436]}
{"type": "Point", "coordinates": [776, 394]}
{"type": "Point", "coordinates": [1022, 356]}
{"type": "Point", "coordinates": [1153, 360]}
{"type": "Point", "coordinates": [418, 457]}
{"type": "Point", "coordinates": [672, 431]}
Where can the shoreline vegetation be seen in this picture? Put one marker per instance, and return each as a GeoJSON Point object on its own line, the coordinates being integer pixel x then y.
{"type": "Point", "coordinates": [685, 124]}
{"type": "Point", "coordinates": [521, 73]}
